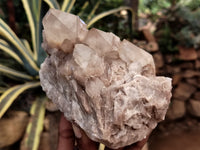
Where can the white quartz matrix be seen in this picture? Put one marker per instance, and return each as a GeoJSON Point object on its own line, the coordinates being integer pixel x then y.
{"type": "Point", "coordinates": [106, 86]}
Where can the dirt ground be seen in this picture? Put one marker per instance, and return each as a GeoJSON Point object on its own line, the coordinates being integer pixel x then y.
{"type": "Point", "coordinates": [182, 141]}
{"type": "Point", "coordinates": [181, 136]}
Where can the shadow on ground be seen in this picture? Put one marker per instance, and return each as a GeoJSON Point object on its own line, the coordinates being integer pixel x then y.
{"type": "Point", "coordinates": [186, 140]}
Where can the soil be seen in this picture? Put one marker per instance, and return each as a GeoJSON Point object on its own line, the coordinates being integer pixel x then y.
{"type": "Point", "coordinates": [181, 135]}
{"type": "Point", "coordinates": [189, 140]}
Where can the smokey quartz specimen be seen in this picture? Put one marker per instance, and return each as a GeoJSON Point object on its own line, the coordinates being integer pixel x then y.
{"type": "Point", "coordinates": [105, 86]}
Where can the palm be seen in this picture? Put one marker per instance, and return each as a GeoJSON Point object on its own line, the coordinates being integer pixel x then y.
{"type": "Point", "coordinates": [68, 135]}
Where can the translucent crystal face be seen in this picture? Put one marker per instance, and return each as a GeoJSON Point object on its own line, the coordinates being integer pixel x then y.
{"type": "Point", "coordinates": [105, 86]}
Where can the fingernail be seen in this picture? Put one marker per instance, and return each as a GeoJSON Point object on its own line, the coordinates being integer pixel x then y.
{"type": "Point", "coordinates": [77, 131]}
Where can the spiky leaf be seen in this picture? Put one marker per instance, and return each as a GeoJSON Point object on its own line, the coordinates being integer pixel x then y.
{"type": "Point", "coordinates": [17, 74]}
{"type": "Point", "coordinates": [33, 13]}
{"type": "Point", "coordinates": [52, 4]}
{"type": "Point", "coordinates": [93, 10]}
{"type": "Point", "coordinates": [35, 126]}
{"type": "Point", "coordinates": [19, 48]}
{"type": "Point", "coordinates": [2, 90]}
{"type": "Point", "coordinates": [26, 44]}
{"type": "Point", "coordinates": [4, 46]}
{"type": "Point", "coordinates": [12, 93]}
{"type": "Point", "coordinates": [110, 12]}
{"type": "Point", "coordinates": [68, 5]}
{"type": "Point", "coordinates": [85, 5]}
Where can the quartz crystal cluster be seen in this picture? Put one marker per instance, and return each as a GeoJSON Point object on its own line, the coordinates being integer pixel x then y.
{"type": "Point", "coordinates": [104, 85]}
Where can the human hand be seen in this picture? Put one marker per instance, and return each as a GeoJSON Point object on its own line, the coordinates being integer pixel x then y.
{"type": "Point", "coordinates": [69, 133]}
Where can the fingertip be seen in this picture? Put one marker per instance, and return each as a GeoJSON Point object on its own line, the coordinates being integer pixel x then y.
{"type": "Point", "coordinates": [66, 135]}
{"type": "Point", "coordinates": [138, 145]}
{"type": "Point", "coordinates": [142, 143]}
{"type": "Point", "coordinates": [84, 143]}
{"type": "Point", "coordinates": [77, 131]}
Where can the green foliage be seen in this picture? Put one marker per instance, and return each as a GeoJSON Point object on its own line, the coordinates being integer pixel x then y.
{"type": "Point", "coordinates": [167, 43]}
{"type": "Point", "coordinates": [12, 93]}
{"type": "Point", "coordinates": [189, 34]}
{"type": "Point", "coordinates": [98, 17]}
{"type": "Point", "coordinates": [153, 6]}
{"type": "Point", "coordinates": [28, 56]}
{"type": "Point", "coordinates": [178, 22]}
{"type": "Point", "coordinates": [117, 23]}
{"type": "Point", "coordinates": [3, 9]}
{"type": "Point", "coordinates": [35, 125]}
{"type": "Point", "coordinates": [191, 4]}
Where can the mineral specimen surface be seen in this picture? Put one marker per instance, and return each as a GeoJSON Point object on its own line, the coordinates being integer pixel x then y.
{"type": "Point", "coordinates": [105, 86]}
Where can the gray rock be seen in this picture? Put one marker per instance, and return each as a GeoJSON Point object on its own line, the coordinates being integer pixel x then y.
{"type": "Point", "coordinates": [105, 86]}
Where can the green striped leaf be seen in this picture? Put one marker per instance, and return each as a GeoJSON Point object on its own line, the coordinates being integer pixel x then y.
{"type": "Point", "coordinates": [4, 46]}
{"type": "Point", "coordinates": [65, 5]}
{"type": "Point", "coordinates": [33, 13]}
{"type": "Point", "coordinates": [93, 10]}
{"type": "Point", "coordinates": [20, 49]}
{"type": "Point", "coordinates": [27, 46]}
{"type": "Point", "coordinates": [85, 5]}
{"type": "Point", "coordinates": [12, 93]}
{"type": "Point", "coordinates": [2, 90]}
{"type": "Point", "coordinates": [11, 72]}
{"type": "Point", "coordinates": [32, 136]}
{"type": "Point", "coordinates": [68, 5]}
{"type": "Point", "coordinates": [52, 4]}
{"type": "Point", "coordinates": [110, 12]}
{"type": "Point", "coordinates": [33, 17]}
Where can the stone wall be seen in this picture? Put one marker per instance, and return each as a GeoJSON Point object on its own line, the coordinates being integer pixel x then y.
{"type": "Point", "coordinates": [184, 69]}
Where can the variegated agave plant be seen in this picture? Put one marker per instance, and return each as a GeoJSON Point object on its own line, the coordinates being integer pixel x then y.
{"type": "Point", "coordinates": [30, 60]}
